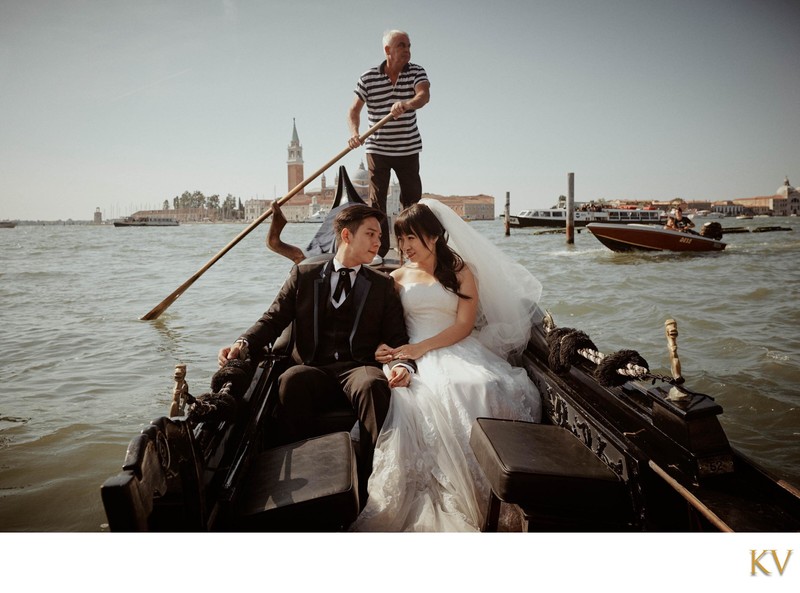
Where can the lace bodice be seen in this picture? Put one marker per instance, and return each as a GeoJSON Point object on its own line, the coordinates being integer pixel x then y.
{"type": "Point", "coordinates": [429, 309]}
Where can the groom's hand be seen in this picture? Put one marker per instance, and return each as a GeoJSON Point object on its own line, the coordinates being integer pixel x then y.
{"type": "Point", "coordinates": [237, 350]}
{"type": "Point", "coordinates": [384, 354]}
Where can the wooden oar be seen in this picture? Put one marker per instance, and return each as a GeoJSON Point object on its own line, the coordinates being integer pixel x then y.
{"type": "Point", "coordinates": [162, 306]}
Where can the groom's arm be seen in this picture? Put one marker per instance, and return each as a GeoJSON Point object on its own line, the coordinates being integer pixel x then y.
{"type": "Point", "coordinates": [280, 314]}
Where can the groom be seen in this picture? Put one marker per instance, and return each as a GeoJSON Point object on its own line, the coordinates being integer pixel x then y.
{"type": "Point", "coordinates": [342, 310]}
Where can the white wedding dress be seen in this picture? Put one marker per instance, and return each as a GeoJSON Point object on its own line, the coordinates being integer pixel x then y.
{"type": "Point", "coordinates": [425, 476]}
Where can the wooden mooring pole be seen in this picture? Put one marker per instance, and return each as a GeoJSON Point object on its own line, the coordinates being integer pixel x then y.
{"type": "Point", "coordinates": [508, 213]}
{"type": "Point", "coordinates": [570, 208]}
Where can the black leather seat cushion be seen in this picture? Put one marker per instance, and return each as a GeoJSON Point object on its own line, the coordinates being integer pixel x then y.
{"type": "Point", "coordinates": [310, 485]}
{"type": "Point", "coordinates": [545, 468]}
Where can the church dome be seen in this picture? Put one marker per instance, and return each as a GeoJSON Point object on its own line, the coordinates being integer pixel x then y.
{"type": "Point", "coordinates": [361, 177]}
{"type": "Point", "coordinates": [785, 189]}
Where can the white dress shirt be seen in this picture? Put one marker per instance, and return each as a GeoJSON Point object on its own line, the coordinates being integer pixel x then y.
{"type": "Point", "coordinates": [335, 280]}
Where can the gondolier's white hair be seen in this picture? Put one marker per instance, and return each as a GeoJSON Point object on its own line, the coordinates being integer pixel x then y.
{"type": "Point", "coordinates": [389, 35]}
{"type": "Point", "coordinates": [507, 291]}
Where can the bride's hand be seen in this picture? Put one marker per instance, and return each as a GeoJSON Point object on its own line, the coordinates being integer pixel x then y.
{"type": "Point", "coordinates": [408, 352]}
{"type": "Point", "coordinates": [398, 376]}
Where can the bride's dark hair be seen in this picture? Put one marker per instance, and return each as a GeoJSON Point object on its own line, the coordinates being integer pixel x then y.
{"type": "Point", "coordinates": [420, 221]}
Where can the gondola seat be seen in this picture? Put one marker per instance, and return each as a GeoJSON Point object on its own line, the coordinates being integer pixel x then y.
{"type": "Point", "coordinates": [548, 473]}
{"type": "Point", "coordinates": [310, 485]}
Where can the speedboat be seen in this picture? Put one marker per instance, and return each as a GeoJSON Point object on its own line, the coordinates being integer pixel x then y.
{"type": "Point", "coordinates": [633, 237]}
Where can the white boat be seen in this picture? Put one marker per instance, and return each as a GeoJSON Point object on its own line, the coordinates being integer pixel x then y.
{"type": "Point", "coordinates": [318, 216]}
{"type": "Point", "coordinates": [557, 217]}
{"type": "Point", "coordinates": [706, 214]}
{"type": "Point", "coordinates": [146, 221]}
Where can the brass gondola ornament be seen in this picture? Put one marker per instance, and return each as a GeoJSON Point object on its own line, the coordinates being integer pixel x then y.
{"type": "Point", "coordinates": [179, 391]}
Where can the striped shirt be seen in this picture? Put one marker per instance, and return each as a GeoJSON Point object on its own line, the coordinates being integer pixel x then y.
{"type": "Point", "coordinates": [398, 137]}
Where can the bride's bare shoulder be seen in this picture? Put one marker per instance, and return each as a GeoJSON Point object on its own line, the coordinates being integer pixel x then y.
{"type": "Point", "coordinates": [465, 273]}
{"type": "Point", "coordinates": [398, 275]}
{"type": "Point", "coordinates": [466, 281]}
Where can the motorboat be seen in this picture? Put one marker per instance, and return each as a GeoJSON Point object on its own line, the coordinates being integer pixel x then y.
{"type": "Point", "coordinates": [633, 237]}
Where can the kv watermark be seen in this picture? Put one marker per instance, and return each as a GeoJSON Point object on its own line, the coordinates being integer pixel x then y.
{"type": "Point", "coordinates": [759, 562]}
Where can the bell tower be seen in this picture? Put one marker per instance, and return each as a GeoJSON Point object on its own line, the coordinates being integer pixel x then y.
{"type": "Point", "coordinates": [295, 160]}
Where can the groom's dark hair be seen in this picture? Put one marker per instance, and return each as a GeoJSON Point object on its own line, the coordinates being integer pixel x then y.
{"type": "Point", "coordinates": [351, 218]}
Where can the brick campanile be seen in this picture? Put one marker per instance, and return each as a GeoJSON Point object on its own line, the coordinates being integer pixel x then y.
{"type": "Point", "coordinates": [295, 160]}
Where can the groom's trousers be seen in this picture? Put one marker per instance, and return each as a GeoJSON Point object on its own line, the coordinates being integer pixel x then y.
{"type": "Point", "coordinates": [304, 392]}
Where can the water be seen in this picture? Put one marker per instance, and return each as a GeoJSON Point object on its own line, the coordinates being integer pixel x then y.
{"type": "Point", "coordinates": [82, 375]}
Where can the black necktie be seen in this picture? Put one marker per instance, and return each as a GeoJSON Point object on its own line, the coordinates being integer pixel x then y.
{"type": "Point", "coordinates": [343, 285]}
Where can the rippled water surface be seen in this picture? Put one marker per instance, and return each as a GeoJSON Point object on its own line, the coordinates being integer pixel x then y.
{"type": "Point", "coordinates": [82, 375]}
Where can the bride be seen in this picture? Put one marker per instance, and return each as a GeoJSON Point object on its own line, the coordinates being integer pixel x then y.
{"type": "Point", "coordinates": [468, 310]}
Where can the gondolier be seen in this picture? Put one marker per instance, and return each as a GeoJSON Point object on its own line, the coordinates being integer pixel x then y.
{"type": "Point", "coordinates": [398, 87]}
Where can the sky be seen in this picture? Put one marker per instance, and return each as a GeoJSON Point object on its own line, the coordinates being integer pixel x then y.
{"type": "Point", "coordinates": [120, 105]}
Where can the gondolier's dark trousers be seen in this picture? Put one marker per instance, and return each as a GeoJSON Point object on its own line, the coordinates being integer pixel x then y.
{"type": "Point", "coordinates": [406, 168]}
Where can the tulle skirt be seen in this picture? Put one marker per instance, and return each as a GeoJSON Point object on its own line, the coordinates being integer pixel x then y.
{"type": "Point", "coordinates": [425, 476]}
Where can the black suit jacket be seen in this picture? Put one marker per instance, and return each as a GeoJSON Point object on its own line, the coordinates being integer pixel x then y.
{"type": "Point", "coordinates": [378, 313]}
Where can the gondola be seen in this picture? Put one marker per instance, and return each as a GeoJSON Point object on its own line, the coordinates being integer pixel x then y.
{"type": "Point", "coordinates": [217, 467]}
{"type": "Point", "coordinates": [641, 452]}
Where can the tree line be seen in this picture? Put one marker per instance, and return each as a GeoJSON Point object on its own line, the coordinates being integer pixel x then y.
{"type": "Point", "coordinates": [230, 207]}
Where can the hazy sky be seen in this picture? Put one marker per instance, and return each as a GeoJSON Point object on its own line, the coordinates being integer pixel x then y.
{"type": "Point", "coordinates": [120, 104]}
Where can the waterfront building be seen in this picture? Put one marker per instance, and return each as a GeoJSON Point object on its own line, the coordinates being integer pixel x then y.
{"type": "Point", "coordinates": [785, 202]}
{"type": "Point", "coordinates": [760, 204]}
{"type": "Point", "coordinates": [181, 214]}
{"type": "Point", "coordinates": [667, 205]}
{"type": "Point", "coordinates": [480, 207]}
{"type": "Point", "coordinates": [255, 207]}
{"type": "Point", "coordinates": [787, 199]}
{"type": "Point", "coordinates": [728, 207]}
{"type": "Point", "coordinates": [298, 208]}
{"type": "Point", "coordinates": [792, 195]}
